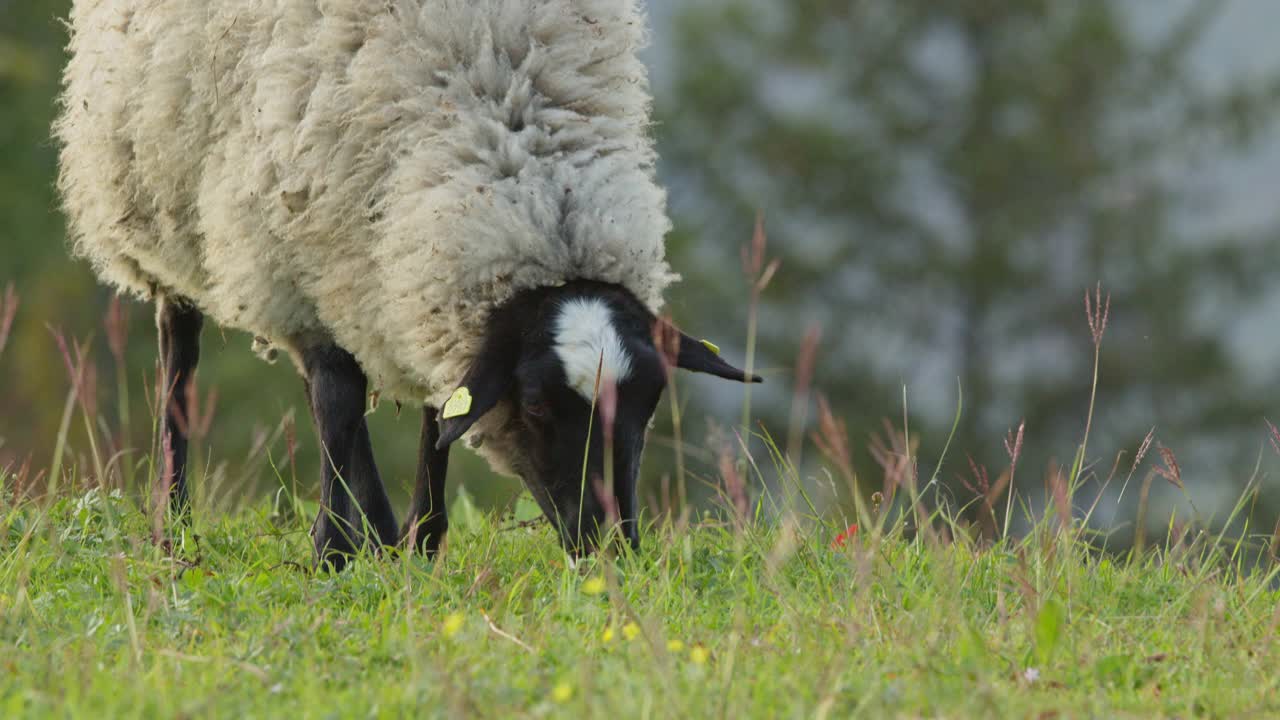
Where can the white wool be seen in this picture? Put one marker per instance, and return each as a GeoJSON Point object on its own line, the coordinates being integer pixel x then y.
{"type": "Point", "coordinates": [589, 346]}
{"type": "Point", "coordinates": [376, 173]}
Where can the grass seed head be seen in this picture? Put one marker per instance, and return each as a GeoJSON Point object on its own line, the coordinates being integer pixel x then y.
{"type": "Point", "coordinates": [1098, 310]}
{"type": "Point", "coordinates": [1170, 470]}
{"type": "Point", "coordinates": [1013, 444]}
{"type": "Point", "coordinates": [1143, 450]}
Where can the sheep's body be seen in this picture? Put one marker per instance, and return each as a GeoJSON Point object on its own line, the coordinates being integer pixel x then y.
{"type": "Point", "coordinates": [375, 173]}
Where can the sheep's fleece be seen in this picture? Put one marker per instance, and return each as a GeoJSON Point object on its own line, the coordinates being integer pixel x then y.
{"type": "Point", "coordinates": [379, 173]}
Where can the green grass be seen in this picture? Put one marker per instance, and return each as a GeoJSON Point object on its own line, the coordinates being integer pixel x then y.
{"type": "Point", "coordinates": [930, 610]}
{"type": "Point", "coordinates": [712, 620]}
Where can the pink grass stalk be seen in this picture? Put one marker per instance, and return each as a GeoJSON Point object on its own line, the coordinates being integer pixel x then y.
{"type": "Point", "coordinates": [1274, 436]}
{"type": "Point", "coordinates": [1143, 449]}
{"type": "Point", "coordinates": [1141, 455]}
{"type": "Point", "coordinates": [805, 362]}
{"type": "Point", "coordinates": [608, 502]}
{"type": "Point", "coordinates": [666, 340]}
{"type": "Point", "coordinates": [987, 493]}
{"type": "Point", "coordinates": [832, 440]}
{"type": "Point", "coordinates": [1060, 492]}
{"type": "Point", "coordinates": [759, 272]}
{"type": "Point", "coordinates": [83, 376]}
{"type": "Point", "coordinates": [8, 312]}
{"type": "Point", "coordinates": [608, 403]}
{"type": "Point", "coordinates": [161, 493]}
{"type": "Point", "coordinates": [115, 323]}
{"type": "Point", "coordinates": [896, 458]}
{"type": "Point", "coordinates": [1170, 470]}
{"type": "Point", "coordinates": [1140, 525]}
{"type": "Point", "coordinates": [980, 486]}
{"type": "Point", "coordinates": [735, 488]}
{"type": "Point", "coordinates": [1013, 447]}
{"type": "Point", "coordinates": [1273, 548]}
{"type": "Point", "coordinates": [1097, 310]}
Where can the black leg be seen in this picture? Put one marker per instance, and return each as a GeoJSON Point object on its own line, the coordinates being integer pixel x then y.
{"type": "Point", "coordinates": [179, 327]}
{"type": "Point", "coordinates": [337, 388]}
{"type": "Point", "coordinates": [369, 492]}
{"type": "Point", "coordinates": [428, 517]}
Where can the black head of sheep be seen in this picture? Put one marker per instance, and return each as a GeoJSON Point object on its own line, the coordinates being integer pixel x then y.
{"type": "Point", "coordinates": [582, 368]}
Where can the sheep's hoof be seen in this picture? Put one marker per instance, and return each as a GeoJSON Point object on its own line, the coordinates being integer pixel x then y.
{"type": "Point", "coordinates": [333, 549]}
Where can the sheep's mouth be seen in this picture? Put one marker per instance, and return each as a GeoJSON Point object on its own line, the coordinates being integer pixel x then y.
{"type": "Point", "coordinates": [584, 515]}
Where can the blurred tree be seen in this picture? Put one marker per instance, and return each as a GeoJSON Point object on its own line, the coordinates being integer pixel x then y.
{"type": "Point", "coordinates": [30, 227]}
{"type": "Point", "coordinates": [944, 180]}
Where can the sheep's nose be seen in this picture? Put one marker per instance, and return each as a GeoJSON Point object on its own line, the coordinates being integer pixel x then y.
{"type": "Point", "coordinates": [631, 531]}
{"type": "Point", "coordinates": [579, 537]}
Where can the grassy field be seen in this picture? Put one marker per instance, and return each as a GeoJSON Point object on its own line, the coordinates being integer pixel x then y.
{"type": "Point", "coordinates": [708, 620]}
{"type": "Point", "coordinates": [767, 607]}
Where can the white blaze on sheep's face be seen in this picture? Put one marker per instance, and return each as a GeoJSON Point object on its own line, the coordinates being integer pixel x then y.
{"type": "Point", "coordinates": [588, 344]}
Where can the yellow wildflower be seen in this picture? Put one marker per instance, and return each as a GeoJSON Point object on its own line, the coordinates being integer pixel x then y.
{"type": "Point", "coordinates": [593, 586]}
{"type": "Point", "coordinates": [630, 630]}
{"type": "Point", "coordinates": [562, 692]}
{"type": "Point", "coordinates": [608, 635]}
{"type": "Point", "coordinates": [699, 655]}
{"type": "Point", "coordinates": [675, 646]}
{"type": "Point", "coordinates": [452, 624]}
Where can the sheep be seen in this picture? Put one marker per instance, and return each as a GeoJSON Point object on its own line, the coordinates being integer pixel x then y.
{"type": "Point", "coordinates": [449, 203]}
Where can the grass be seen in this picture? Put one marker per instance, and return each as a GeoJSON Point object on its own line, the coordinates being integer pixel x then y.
{"type": "Point", "coordinates": [767, 606]}
{"type": "Point", "coordinates": [713, 620]}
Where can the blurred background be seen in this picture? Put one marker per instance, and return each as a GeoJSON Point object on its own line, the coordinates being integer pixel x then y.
{"type": "Point", "coordinates": [940, 183]}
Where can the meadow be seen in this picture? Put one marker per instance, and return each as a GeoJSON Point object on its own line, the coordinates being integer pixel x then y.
{"type": "Point", "coordinates": [938, 213]}
{"type": "Point", "coordinates": [760, 604]}
{"type": "Point", "coordinates": [709, 619]}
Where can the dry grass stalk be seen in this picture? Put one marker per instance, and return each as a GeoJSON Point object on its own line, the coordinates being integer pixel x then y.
{"type": "Point", "coordinates": [8, 311]}
{"type": "Point", "coordinates": [806, 360]}
{"type": "Point", "coordinates": [1170, 470]}
{"type": "Point", "coordinates": [832, 440]}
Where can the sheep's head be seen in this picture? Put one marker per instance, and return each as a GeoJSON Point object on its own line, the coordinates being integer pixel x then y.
{"type": "Point", "coordinates": [582, 367]}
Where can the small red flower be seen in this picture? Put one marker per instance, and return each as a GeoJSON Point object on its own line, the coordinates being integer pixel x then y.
{"type": "Point", "coordinates": [843, 537]}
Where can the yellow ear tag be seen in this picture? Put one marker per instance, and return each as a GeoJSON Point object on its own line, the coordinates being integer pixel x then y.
{"type": "Point", "coordinates": [711, 346]}
{"type": "Point", "coordinates": [459, 405]}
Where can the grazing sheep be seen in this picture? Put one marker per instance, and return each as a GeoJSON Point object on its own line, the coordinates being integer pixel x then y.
{"type": "Point", "coordinates": [449, 202]}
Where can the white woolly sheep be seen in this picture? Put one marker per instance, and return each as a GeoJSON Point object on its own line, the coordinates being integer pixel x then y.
{"type": "Point", "coordinates": [449, 202]}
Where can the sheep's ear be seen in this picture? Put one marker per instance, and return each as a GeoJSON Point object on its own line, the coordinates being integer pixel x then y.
{"type": "Point", "coordinates": [489, 380]}
{"type": "Point", "coordinates": [704, 357]}
{"type": "Point", "coordinates": [697, 355]}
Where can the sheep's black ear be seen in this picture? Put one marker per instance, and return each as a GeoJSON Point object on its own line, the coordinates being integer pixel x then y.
{"type": "Point", "coordinates": [704, 357]}
{"type": "Point", "coordinates": [489, 379]}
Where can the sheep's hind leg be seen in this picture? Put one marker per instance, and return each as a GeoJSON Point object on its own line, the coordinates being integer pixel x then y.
{"type": "Point", "coordinates": [351, 492]}
{"type": "Point", "coordinates": [179, 324]}
{"type": "Point", "coordinates": [428, 519]}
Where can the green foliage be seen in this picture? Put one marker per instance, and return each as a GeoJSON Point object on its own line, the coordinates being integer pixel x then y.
{"type": "Point", "coordinates": [1049, 626]}
{"type": "Point", "coordinates": [30, 66]}
{"type": "Point", "coordinates": [96, 621]}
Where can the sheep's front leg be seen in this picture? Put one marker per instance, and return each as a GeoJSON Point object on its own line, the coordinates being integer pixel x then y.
{"type": "Point", "coordinates": [370, 494]}
{"type": "Point", "coordinates": [351, 492]}
{"type": "Point", "coordinates": [428, 519]}
{"type": "Point", "coordinates": [178, 325]}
